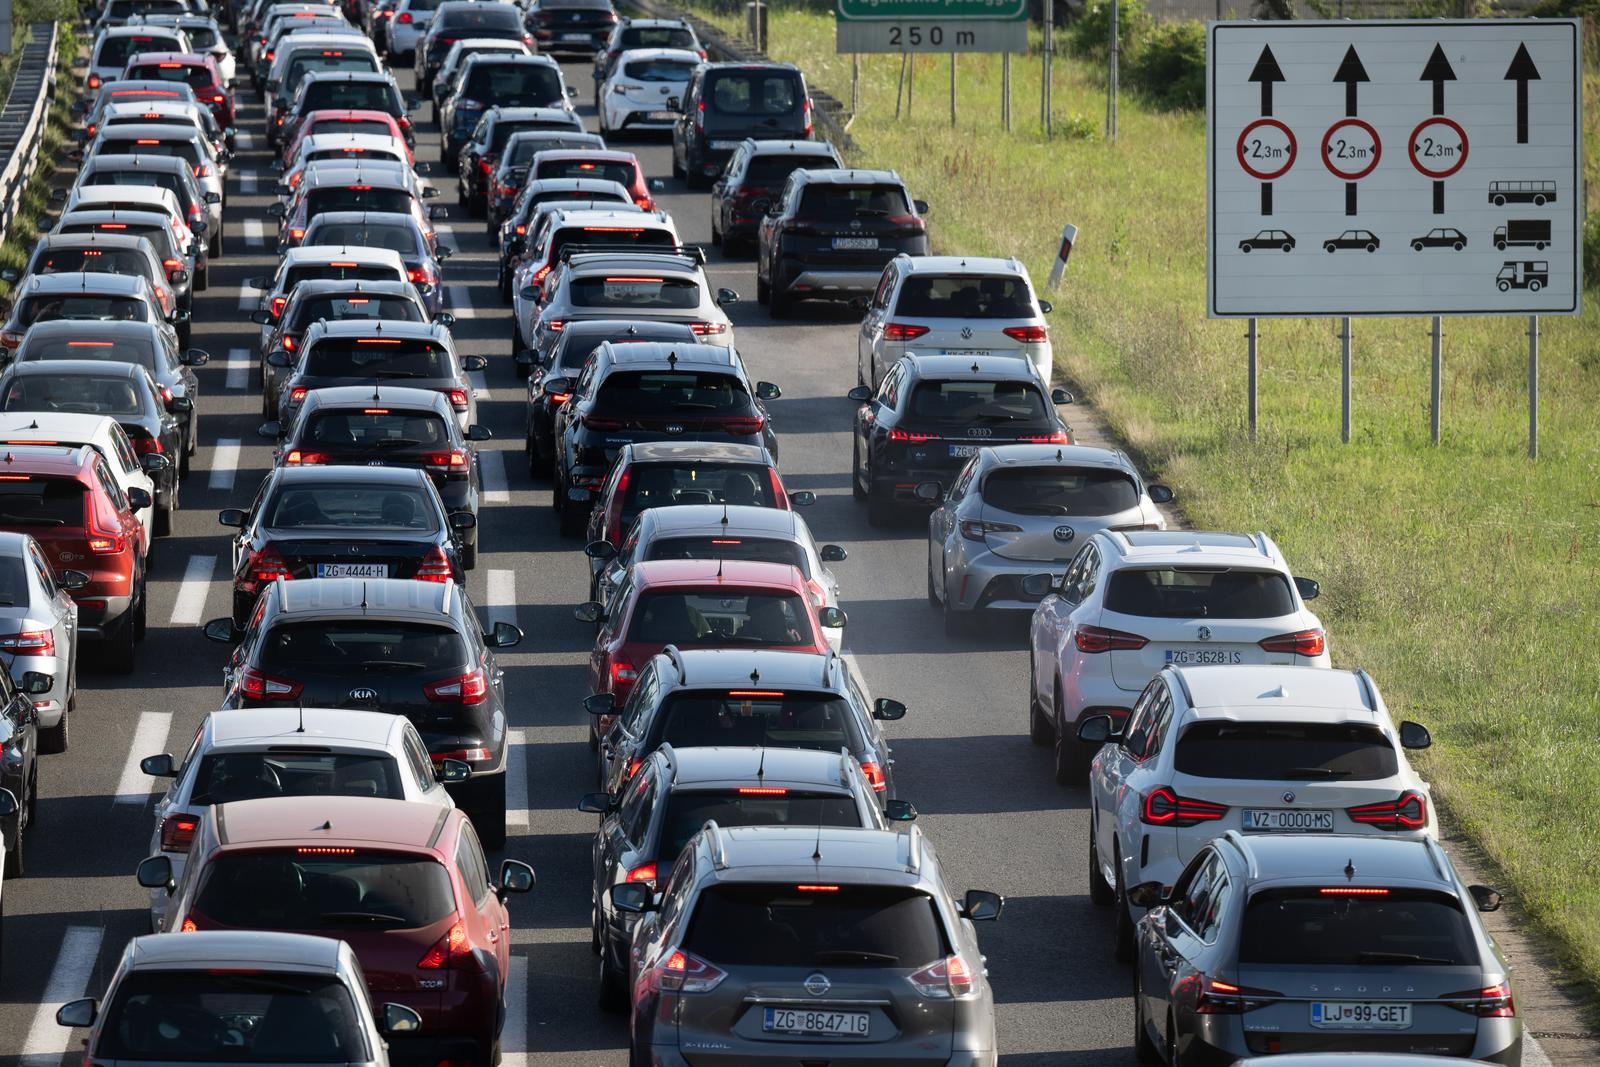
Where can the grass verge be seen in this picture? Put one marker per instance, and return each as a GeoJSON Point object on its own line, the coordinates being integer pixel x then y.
{"type": "Point", "coordinates": [24, 230]}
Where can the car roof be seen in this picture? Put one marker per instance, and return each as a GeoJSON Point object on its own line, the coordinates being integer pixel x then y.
{"type": "Point", "coordinates": [737, 65]}
{"type": "Point", "coordinates": [390, 173]}
{"type": "Point", "coordinates": [634, 353]}
{"type": "Point", "coordinates": [114, 161]}
{"type": "Point", "coordinates": [130, 28]}
{"type": "Point", "coordinates": [15, 425]}
{"type": "Point", "coordinates": [376, 596]}
{"type": "Point", "coordinates": [313, 821]}
{"type": "Point", "coordinates": [305, 253]}
{"type": "Point", "coordinates": [680, 451]}
{"type": "Point", "coordinates": [586, 263]}
{"type": "Point", "coordinates": [300, 726]}
{"type": "Point", "coordinates": [791, 147]}
{"type": "Point", "coordinates": [962, 265]}
{"type": "Point", "coordinates": [688, 54]}
{"type": "Point", "coordinates": [719, 765]}
{"type": "Point", "coordinates": [741, 520]}
{"type": "Point", "coordinates": [382, 218]}
{"type": "Point", "coordinates": [93, 238]}
{"type": "Point", "coordinates": [312, 76]}
{"type": "Point", "coordinates": [86, 282]}
{"type": "Point", "coordinates": [850, 176]}
{"type": "Point", "coordinates": [977, 368]}
{"type": "Point", "coordinates": [1194, 547]}
{"type": "Point", "coordinates": [13, 543]}
{"type": "Point", "coordinates": [1267, 691]}
{"type": "Point", "coordinates": [343, 472]}
{"type": "Point", "coordinates": [523, 113]}
{"type": "Point", "coordinates": [719, 668]}
{"type": "Point", "coordinates": [350, 139]}
{"type": "Point", "coordinates": [715, 574]}
{"type": "Point", "coordinates": [392, 396]}
{"type": "Point", "coordinates": [609, 155]}
{"type": "Point", "coordinates": [45, 459]}
{"type": "Point", "coordinates": [95, 367]}
{"type": "Point", "coordinates": [382, 287]}
{"type": "Point", "coordinates": [92, 330]}
{"type": "Point", "coordinates": [128, 131]}
{"type": "Point", "coordinates": [789, 853]}
{"type": "Point", "coordinates": [657, 24]}
{"type": "Point", "coordinates": [1328, 859]}
{"type": "Point", "coordinates": [499, 44]}
{"type": "Point", "coordinates": [514, 59]}
{"type": "Point", "coordinates": [188, 59]}
{"type": "Point", "coordinates": [259, 949]}
{"type": "Point", "coordinates": [1066, 455]}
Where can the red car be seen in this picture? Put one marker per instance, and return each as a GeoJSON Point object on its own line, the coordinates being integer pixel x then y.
{"type": "Point", "coordinates": [69, 501]}
{"type": "Point", "coordinates": [345, 120]}
{"type": "Point", "coordinates": [404, 882]}
{"type": "Point", "coordinates": [620, 167]}
{"type": "Point", "coordinates": [698, 603]}
{"type": "Point", "coordinates": [199, 72]}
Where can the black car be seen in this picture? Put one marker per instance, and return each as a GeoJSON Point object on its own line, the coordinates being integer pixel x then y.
{"type": "Point", "coordinates": [410, 648]}
{"type": "Point", "coordinates": [755, 174]}
{"type": "Point", "coordinates": [456, 20]}
{"type": "Point", "coordinates": [932, 413]}
{"type": "Point", "coordinates": [491, 79]}
{"type": "Point", "coordinates": [727, 102]}
{"type": "Point", "coordinates": [343, 522]}
{"type": "Point", "coordinates": [481, 152]}
{"type": "Point", "coordinates": [831, 235]}
{"type": "Point", "coordinates": [344, 91]}
{"type": "Point", "coordinates": [19, 762]}
{"type": "Point", "coordinates": [511, 170]}
{"type": "Point", "coordinates": [653, 391]}
{"type": "Point", "coordinates": [572, 27]}
{"type": "Point", "coordinates": [389, 426]}
{"type": "Point", "coordinates": [519, 218]}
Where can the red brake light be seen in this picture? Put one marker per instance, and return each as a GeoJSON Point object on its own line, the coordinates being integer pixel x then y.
{"type": "Point", "coordinates": [1409, 811]}
{"type": "Point", "coordinates": [297, 394]}
{"type": "Point", "coordinates": [701, 329]}
{"type": "Point", "coordinates": [1055, 437]}
{"type": "Point", "coordinates": [449, 948]}
{"type": "Point", "coordinates": [874, 774]}
{"type": "Point", "coordinates": [685, 973]}
{"type": "Point", "coordinates": [300, 458]}
{"type": "Point", "coordinates": [30, 643]}
{"type": "Point", "coordinates": [622, 673]}
{"type": "Point", "coordinates": [468, 688]}
{"type": "Point", "coordinates": [902, 331]}
{"type": "Point", "coordinates": [744, 426]}
{"type": "Point", "coordinates": [420, 276]}
{"type": "Point", "coordinates": [177, 832]}
{"type": "Point", "coordinates": [405, 18]}
{"type": "Point", "coordinates": [1098, 639]}
{"type": "Point", "coordinates": [267, 565]}
{"type": "Point", "coordinates": [452, 460]}
{"type": "Point", "coordinates": [257, 686]}
{"type": "Point", "coordinates": [912, 437]}
{"type": "Point", "coordinates": [435, 567]}
{"type": "Point", "coordinates": [809, 126]}
{"type": "Point", "coordinates": [945, 979]}
{"type": "Point", "coordinates": [1216, 997]}
{"type": "Point", "coordinates": [1301, 643]}
{"type": "Point", "coordinates": [188, 926]}
{"type": "Point", "coordinates": [645, 872]}
{"type": "Point", "coordinates": [1163, 807]}
{"type": "Point", "coordinates": [762, 791]}
{"type": "Point", "coordinates": [1030, 334]}
{"type": "Point", "coordinates": [277, 305]}
{"type": "Point", "coordinates": [1490, 1002]}
{"type": "Point", "coordinates": [1353, 891]}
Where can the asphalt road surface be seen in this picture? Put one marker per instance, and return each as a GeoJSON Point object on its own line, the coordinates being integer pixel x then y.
{"type": "Point", "coordinates": [962, 753]}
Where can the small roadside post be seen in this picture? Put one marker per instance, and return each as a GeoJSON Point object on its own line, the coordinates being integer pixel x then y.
{"type": "Point", "coordinates": [1069, 234]}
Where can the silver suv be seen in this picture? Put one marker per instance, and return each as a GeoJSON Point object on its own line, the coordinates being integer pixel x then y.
{"type": "Point", "coordinates": [796, 944]}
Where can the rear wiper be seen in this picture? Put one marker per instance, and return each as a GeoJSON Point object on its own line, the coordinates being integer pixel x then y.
{"type": "Point", "coordinates": [853, 955]}
{"type": "Point", "coordinates": [875, 212]}
{"type": "Point", "coordinates": [332, 917]}
{"type": "Point", "coordinates": [1181, 613]}
{"type": "Point", "coordinates": [395, 442]}
{"type": "Point", "coordinates": [1314, 772]}
{"type": "Point", "coordinates": [1036, 509]}
{"type": "Point", "coordinates": [384, 374]}
{"type": "Point", "coordinates": [388, 665]}
{"type": "Point", "coordinates": [1399, 957]}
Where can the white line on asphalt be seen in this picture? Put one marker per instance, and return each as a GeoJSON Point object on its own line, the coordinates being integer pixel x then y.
{"type": "Point", "coordinates": [461, 304]}
{"type": "Point", "coordinates": [224, 463]}
{"type": "Point", "coordinates": [492, 466]}
{"type": "Point", "coordinates": [516, 778]}
{"type": "Point", "coordinates": [249, 299]}
{"type": "Point", "coordinates": [254, 232]}
{"type": "Point", "coordinates": [134, 787]}
{"type": "Point", "coordinates": [480, 386]}
{"type": "Point", "coordinates": [500, 596]}
{"type": "Point", "coordinates": [48, 1042]}
{"type": "Point", "coordinates": [514, 1035]}
{"type": "Point", "coordinates": [191, 602]}
{"type": "Point", "coordinates": [244, 142]}
{"type": "Point", "coordinates": [1532, 1054]}
{"type": "Point", "coordinates": [248, 182]}
{"type": "Point", "coordinates": [238, 368]}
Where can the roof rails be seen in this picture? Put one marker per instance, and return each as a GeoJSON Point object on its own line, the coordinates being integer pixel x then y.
{"type": "Point", "coordinates": [1265, 546]}
{"type": "Point", "coordinates": [444, 600]}
{"type": "Point", "coordinates": [914, 850]}
{"type": "Point", "coordinates": [672, 761]}
{"type": "Point", "coordinates": [827, 667]}
{"type": "Point", "coordinates": [1369, 692]}
{"type": "Point", "coordinates": [1436, 854]}
{"type": "Point", "coordinates": [845, 760]}
{"type": "Point", "coordinates": [719, 849]}
{"type": "Point", "coordinates": [672, 653]}
{"type": "Point", "coordinates": [1236, 839]}
{"type": "Point", "coordinates": [1183, 683]}
{"type": "Point", "coordinates": [693, 252]}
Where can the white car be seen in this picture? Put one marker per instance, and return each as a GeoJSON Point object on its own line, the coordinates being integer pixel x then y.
{"type": "Point", "coordinates": [101, 433]}
{"type": "Point", "coordinates": [1255, 750]}
{"type": "Point", "coordinates": [642, 80]}
{"type": "Point", "coordinates": [1132, 602]}
{"type": "Point", "coordinates": [250, 753]}
{"type": "Point", "coordinates": [406, 27]}
{"type": "Point", "coordinates": [351, 147]}
{"type": "Point", "coordinates": [953, 305]}
{"type": "Point", "coordinates": [115, 46]}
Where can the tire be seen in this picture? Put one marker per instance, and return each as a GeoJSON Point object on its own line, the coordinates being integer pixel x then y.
{"type": "Point", "coordinates": [141, 613]}
{"type": "Point", "coordinates": [1500, 246]}
{"type": "Point", "coordinates": [1288, 248]}
{"type": "Point", "coordinates": [202, 283]}
{"type": "Point", "coordinates": [1070, 765]}
{"type": "Point", "coordinates": [677, 171]}
{"type": "Point", "coordinates": [879, 508]}
{"type": "Point", "coordinates": [781, 304]}
{"type": "Point", "coordinates": [1143, 1048]}
{"type": "Point", "coordinates": [1505, 287]}
{"type": "Point", "coordinates": [1101, 892]}
{"type": "Point", "coordinates": [957, 623]}
{"type": "Point", "coordinates": [54, 740]}
{"type": "Point", "coordinates": [490, 820]}
{"type": "Point", "coordinates": [763, 290]}
{"type": "Point", "coordinates": [1173, 1057]}
{"type": "Point", "coordinates": [716, 234]}
{"type": "Point", "coordinates": [855, 473]}
{"type": "Point", "coordinates": [1040, 732]}
{"type": "Point", "coordinates": [14, 862]}
{"type": "Point", "coordinates": [1329, 248]}
{"type": "Point", "coordinates": [933, 595]}
{"type": "Point", "coordinates": [1499, 201]}
{"type": "Point", "coordinates": [164, 519]}
{"type": "Point", "coordinates": [1245, 248]}
{"type": "Point", "coordinates": [1538, 201]}
{"type": "Point", "coordinates": [1416, 246]}
{"type": "Point", "coordinates": [573, 521]}
{"type": "Point", "coordinates": [1123, 936]}
{"type": "Point", "coordinates": [1459, 245]}
{"type": "Point", "coordinates": [469, 554]}
{"type": "Point", "coordinates": [1372, 248]}
{"type": "Point", "coordinates": [119, 649]}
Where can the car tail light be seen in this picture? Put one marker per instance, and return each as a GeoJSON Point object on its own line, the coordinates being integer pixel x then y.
{"type": "Point", "coordinates": [1409, 811]}
{"type": "Point", "coordinates": [405, 18]}
{"type": "Point", "coordinates": [454, 460]}
{"type": "Point", "coordinates": [874, 772]}
{"type": "Point", "coordinates": [1030, 334]}
{"type": "Point", "coordinates": [465, 755]}
{"type": "Point", "coordinates": [257, 686]}
{"type": "Point", "coordinates": [596, 422]}
{"type": "Point", "coordinates": [468, 688]}
{"type": "Point", "coordinates": [278, 302]}
{"type": "Point", "coordinates": [807, 114]}
{"type": "Point", "coordinates": [483, 164]}
{"type": "Point", "coordinates": [974, 529]}
{"type": "Point", "coordinates": [539, 275]}
{"type": "Point", "coordinates": [903, 331]}
{"type": "Point", "coordinates": [105, 528]}
{"type": "Point", "coordinates": [1490, 1002]}
{"type": "Point", "coordinates": [682, 972]}
{"type": "Point", "coordinates": [177, 832]}
{"type": "Point", "coordinates": [1213, 996]}
{"type": "Point", "coordinates": [435, 567]}
{"type": "Point", "coordinates": [30, 643]}
{"type": "Point", "coordinates": [146, 446]}
{"type": "Point", "coordinates": [912, 437]}
{"type": "Point", "coordinates": [458, 400]}
{"type": "Point", "coordinates": [501, 189]}
{"type": "Point", "coordinates": [447, 950]}
{"type": "Point", "coordinates": [622, 672]}
{"type": "Point", "coordinates": [300, 458]}
{"type": "Point", "coordinates": [297, 394]}
{"type": "Point", "coordinates": [297, 233]}
{"type": "Point", "coordinates": [1163, 807]}
{"type": "Point", "coordinates": [814, 593]}
{"type": "Point", "coordinates": [11, 338]}
{"type": "Point", "coordinates": [701, 329]}
{"type": "Point", "coordinates": [219, 99]}
{"type": "Point", "coordinates": [266, 565]}
{"type": "Point", "coordinates": [522, 231]}
{"type": "Point", "coordinates": [945, 979]}
{"type": "Point", "coordinates": [1054, 437]}
{"type": "Point", "coordinates": [554, 325]}
{"type": "Point", "coordinates": [1098, 639]}
{"type": "Point", "coordinates": [201, 170]}
{"type": "Point", "coordinates": [908, 221]}
{"type": "Point", "coordinates": [645, 872]}
{"type": "Point", "coordinates": [700, 116]}
{"type": "Point", "coordinates": [288, 338]}
{"type": "Point", "coordinates": [1301, 643]}
{"type": "Point", "coordinates": [170, 264]}
{"type": "Point", "coordinates": [743, 426]}
{"type": "Point", "coordinates": [187, 926]}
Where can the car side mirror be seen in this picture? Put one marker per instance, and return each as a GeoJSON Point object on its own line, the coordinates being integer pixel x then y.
{"type": "Point", "coordinates": [261, 317]}
{"type": "Point", "coordinates": [505, 635]}
{"type": "Point", "coordinates": [526, 358]}
{"type": "Point", "coordinates": [1060, 396]}
{"type": "Point", "coordinates": [201, 226]}
{"type": "Point", "coordinates": [275, 211]}
{"type": "Point", "coordinates": [271, 430]}
{"type": "Point", "coordinates": [1309, 588]}
{"type": "Point", "coordinates": [162, 766]}
{"type": "Point", "coordinates": [529, 292]}
{"type": "Point", "coordinates": [451, 771]}
{"type": "Point", "coordinates": [1046, 307]}
{"type": "Point", "coordinates": [559, 385]}
{"type": "Point", "coordinates": [832, 618]}
{"type": "Point", "coordinates": [437, 213]}
{"type": "Point", "coordinates": [260, 282]}
{"type": "Point", "coordinates": [1160, 494]}
{"type": "Point", "coordinates": [272, 85]}
{"type": "Point", "coordinates": [276, 166]}
{"type": "Point", "coordinates": [899, 811]}
{"type": "Point", "coordinates": [399, 1019]}
{"type": "Point", "coordinates": [78, 1013]}
{"type": "Point", "coordinates": [58, 196]}
{"type": "Point", "coordinates": [590, 611]}
{"type": "Point", "coordinates": [223, 632]}
{"type": "Point", "coordinates": [235, 517]}
{"type": "Point", "coordinates": [1485, 898]}
{"type": "Point", "coordinates": [929, 492]}
{"type": "Point", "coordinates": [445, 319]}
{"type": "Point", "coordinates": [8, 804]}
{"type": "Point", "coordinates": [802, 498]}
{"type": "Point", "coordinates": [179, 277]}
{"type": "Point", "coordinates": [72, 581]}
{"type": "Point", "coordinates": [595, 803]}
{"type": "Point", "coordinates": [633, 898]}
{"type": "Point", "coordinates": [859, 305]}
{"type": "Point", "coordinates": [888, 710]}
{"type": "Point", "coordinates": [600, 704]}
{"type": "Point", "coordinates": [463, 520]}
{"type": "Point", "coordinates": [920, 206]}
{"type": "Point", "coordinates": [196, 357]}
{"type": "Point", "coordinates": [37, 683]}
{"type": "Point", "coordinates": [155, 872]}
{"type": "Point", "coordinates": [980, 905]}
{"type": "Point", "coordinates": [832, 554]}
{"type": "Point", "coordinates": [470, 363]}
{"type": "Point", "coordinates": [477, 432]}
{"type": "Point", "coordinates": [279, 357]}
{"type": "Point", "coordinates": [177, 316]}
{"type": "Point", "coordinates": [154, 462]}
{"type": "Point", "coordinates": [1147, 895]}
{"type": "Point", "coordinates": [600, 550]}
{"type": "Point", "coordinates": [1414, 735]}
{"type": "Point", "coordinates": [180, 405]}
{"type": "Point", "coordinates": [10, 274]}
{"type": "Point", "coordinates": [1038, 585]}
{"type": "Point", "coordinates": [515, 877]}
{"type": "Point", "coordinates": [860, 394]}
{"type": "Point", "coordinates": [213, 198]}
{"type": "Point", "coordinates": [413, 102]}
{"type": "Point", "coordinates": [572, 92]}
{"type": "Point", "coordinates": [768, 391]}
{"type": "Point", "coordinates": [727, 296]}
{"type": "Point", "coordinates": [429, 192]}
{"type": "Point", "coordinates": [674, 103]}
{"type": "Point", "coordinates": [1097, 730]}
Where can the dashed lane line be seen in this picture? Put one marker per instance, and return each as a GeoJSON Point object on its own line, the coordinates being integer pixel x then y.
{"type": "Point", "coordinates": [224, 464]}
{"type": "Point", "coordinates": [191, 602]}
{"type": "Point", "coordinates": [47, 1042]}
{"type": "Point", "coordinates": [492, 467]}
{"type": "Point", "coordinates": [238, 368]}
{"type": "Point", "coordinates": [149, 737]}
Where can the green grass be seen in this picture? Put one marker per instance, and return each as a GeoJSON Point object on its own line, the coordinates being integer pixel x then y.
{"type": "Point", "coordinates": [1464, 576]}
{"type": "Point", "coordinates": [24, 229]}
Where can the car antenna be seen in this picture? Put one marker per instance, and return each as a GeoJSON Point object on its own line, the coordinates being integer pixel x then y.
{"type": "Point", "coordinates": [363, 596]}
{"type": "Point", "coordinates": [816, 853]}
{"type": "Point", "coordinates": [724, 503]}
{"type": "Point", "coordinates": [1058, 455]}
{"type": "Point", "coordinates": [755, 676]}
{"type": "Point", "coordinates": [1350, 869]}
{"type": "Point", "coordinates": [974, 366]}
{"type": "Point", "coordinates": [761, 767]}
{"type": "Point", "coordinates": [672, 360]}
{"type": "Point", "coordinates": [301, 704]}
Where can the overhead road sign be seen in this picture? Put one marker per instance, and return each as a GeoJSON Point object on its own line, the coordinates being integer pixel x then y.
{"type": "Point", "coordinates": [1439, 142]}
{"type": "Point", "coordinates": [932, 25]}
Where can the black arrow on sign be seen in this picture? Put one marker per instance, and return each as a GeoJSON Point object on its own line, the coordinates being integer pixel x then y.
{"type": "Point", "coordinates": [1438, 72]}
{"type": "Point", "coordinates": [1522, 71]}
{"type": "Point", "coordinates": [1266, 72]}
{"type": "Point", "coordinates": [1352, 73]}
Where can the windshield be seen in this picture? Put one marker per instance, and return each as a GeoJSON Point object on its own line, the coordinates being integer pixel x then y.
{"type": "Point", "coordinates": [724, 617]}
{"type": "Point", "coordinates": [222, 1015]}
{"type": "Point", "coordinates": [103, 260]}
{"type": "Point", "coordinates": [150, 146]}
{"type": "Point", "coordinates": [814, 926]}
{"type": "Point", "coordinates": [514, 84]}
{"type": "Point", "coordinates": [201, 37]}
{"type": "Point", "coordinates": [173, 183]}
{"type": "Point", "coordinates": [1273, 751]}
{"type": "Point", "coordinates": [841, 203]}
{"type": "Point", "coordinates": [365, 359]}
{"type": "Point", "coordinates": [316, 888]}
{"type": "Point", "coordinates": [654, 485]}
{"type": "Point", "coordinates": [523, 149]}
{"type": "Point", "coordinates": [772, 171]}
{"type": "Point", "coordinates": [964, 401]}
{"type": "Point", "coordinates": [334, 308]}
{"type": "Point", "coordinates": [659, 393]}
{"type": "Point", "coordinates": [751, 806]}
{"type": "Point", "coordinates": [41, 502]}
{"type": "Point", "coordinates": [1060, 491]}
{"type": "Point", "coordinates": [140, 350]}
{"type": "Point", "coordinates": [965, 296]}
{"type": "Point", "coordinates": [358, 645]}
{"type": "Point", "coordinates": [346, 506]}
{"type": "Point", "coordinates": [299, 68]}
{"type": "Point", "coordinates": [195, 75]}
{"type": "Point", "coordinates": [116, 51]}
{"type": "Point", "coordinates": [754, 93]}
{"type": "Point", "coordinates": [372, 429]}
{"type": "Point", "coordinates": [505, 129]}
{"type": "Point", "coordinates": [370, 126]}
{"type": "Point", "coordinates": [354, 95]}
{"type": "Point", "coordinates": [636, 291]}
{"type": "Point", "coordinates": [620, 172]}
{"type": "Point", "coordinates": [757, 717]}
{"type": "Point", "coordinates": [657, 37]}
{"type": "Point", "coordinates": [608, 237]}
{"type": "Point", "coordinates": [481, 16]}
{"type": "Point", "coordinates": [75, 392]}
{"type": "Point", "coordinates": [758, 549]}
{"type": "Point", "coordinates": [358, 198]}
{"type": "Point", "coordinates": [156, 235]}
{"type": "Point", "coordinates": [1200, 593]}
{"type": "Point", "coordinates": [1320, 929]}
{"type": "Point", "coordinates": [224, 777]}
{"type": "Point", "coordinates": [660, 69]}
{"type": "Point", "coordinates": [397, 238]}
{"type": "Point", "coordinates": [82, 306]}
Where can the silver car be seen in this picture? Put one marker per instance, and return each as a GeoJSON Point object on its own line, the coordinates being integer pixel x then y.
{"type": "Point", "coordinates": [644, 286]}
{"type": "Point", "coordinates": [1014, 508]}
{"type": "Point", "coordinates": [39, 630]}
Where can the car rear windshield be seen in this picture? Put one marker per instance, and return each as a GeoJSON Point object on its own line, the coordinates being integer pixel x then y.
{"type": "Point", "coordinates": [656, 37]}
{"type": "Point", "coordinates": [505, 129]}
{"type": "Point", "coordinates": [192, 74]}
{"type": "Point", "coordinates": [645, 292]}
{"type": "Point", "coordinates": [772, 171]}
{"type": "Point", "coordinates": [358, 198]}
{"type": "Point", "coordinates": [355, 59]}
{"type": "Point", "coordinates": [82, 306]}
{"type": "Point", "coordinates": [620, 172]}
{"type": "Point", "coordinates": [513, 84]}
{"type": "Point", "coordinates": [313, 308]}
{"type": "Point", "coordinates": [757, 549]}
{"type": "Point", "coordinates": [156, 235]}
{"type": "Point", "coordinates": [150, 146]}
{"type": "Point", "coordinates": [116, 51]}
{"type": "Point", "coordinates": [991, 403]}
{"type": "Point", "coordinates": [202, 38]}
{"type": "Point", "coordinates": [332, 505]}
{"type": "Point", "coordinates": [351, 358]}
{"type": "Point", "coordinates": [367, 126]}
{"type": "Point", "coordinates": [965, 296]}
{"type": "Point", "coordinates": [608, 237]}
{"type": "Point", "coordinates": [823, 926]}
{"type": "Point", "coordinates": [758, 717]}
{"type": "Point", "coordinates": [724, 617]}
{"type": "Point", "coordinates": [750, 806]}
{"type": "Point", "coordinates": [744, 92]}
{"type": "Point", "coordinates": [339, 94]}
{"type": "Point", "coordinates": [1274, 751]}
{"type": "Point", "coordinates": [104, 260]}
{"type": "Point", "coordinates": [176, 184]}
{"type": "Point", "coordinates": [481, 16]}
{"type": "Point", "coordinates": [1060, 491]}
{"type": "Point", "coordinates": [524, 149]}
{"type": "Point", "coordinates": [41, 503]}
{"type": "Point", "coordinates": [396, 237]}
{"type": "Point", "coordinates": [224, 777]}
{"type": "Point", "coordinates": [358, 645]}
{"type": "Point", "coordinates": [138, 350]}
{"type": "Point", "coordinates": [223, 1015]}
{"type": "Point", "coordinates": [840, 203]}
{"type": "Point", "coordinates": [375, 429]}
{"type": "Point", "coordinates": [672, 392]}
{"type": "Point", "coordinates": [1318, 928]}
{"type": "Point", "coordinates": [660, 69]}
{"type": "Point", "coordinates": [125, 9]}
{"type": "Point", "coordinates": [314, 888]}
{"type": "Point", "coordinates": [82, 393]}
{"type": "Point", "coordinates": [655, 485]}
{"type": "Point", "coordinates": [1199, 592]}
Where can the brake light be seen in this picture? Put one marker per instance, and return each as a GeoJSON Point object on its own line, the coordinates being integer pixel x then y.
{"type": "Point", "coordinates": [597, 422]}
{"type": "Point", "coordinates": [1029, 334]}
{"type": "Point", "coordinates": [301, 458]}
{"type": "Point", "coordinates": [420, 276]}
{"type": "Point", "coordinates": [1054, 437]}
{"type": "Point", "coordinates": [701, 329]}
{"type": "Point", "coordinates": [449, 948]}
{"type": "Point", "coordinates": [11, 338]}
{"type": "Point", "coordinates": [485, 166]}
{"type": "Point", "coordinates": [874, 774]}
{"type": "Point", "coordinates": [278, 302]}
{"type": "Point", "coordinates": [405, 18]}
{"type": "Point", "coordinates": [700, 115]}
{"type": "Point", "coordinates": [288, 342]}
{"type": "Point", "coordinates": [188, 926]}
{"type": "Point", "coordinates": [1098, 639]}
{"type": "Point", "coordinates": [763, 791]}
{"type": "Point", "coordinates": [1215, 997]}
{"type": "Point", "coordinates": [296, 233]}
{"type": "Point", "coordinates": [30, 643]}
{"type": "Point", "coordinates": [267, 565]}
{"type": "Point", "coordinates": [454, 460]}
{"type": "Point", "coordinates": [1301, 643]}
{"type": "Point", "coordinates": [468, 688]}
{"type": "Point", "coordinates": [975, 529]}
{"type": "Point", "coordinates": [466, 755]}
{"type": "Point", "coordinates": [105, 528]}
{"type": "Point", "coordinates": [177, 832]}
{"type": "Point", "coordinates": [522, 231]}
{"type": "Point", "coordinates": [219, 99]}
{"type": "Point", "coordinates": [682, 972]}
{"type": "Point", "coordinates": [555, 325]}
{"type": "Point", "coordinates": [170, 264]}
{"type": "Point", "coordinates": [1163, 807]}
{"type": "Point", "coordinates": [539, 275]}
{"type": "Point", "coordinates": [912, 437]}
{"type": "Point", "coordinates": [1408, 811]}
{"type": "Point", "coordinates": [505, 190]}
{"type": "Point", "coordinates": [807, 113]}
{"type": "Point", "coordinates": [903, 331]}
{"type": "Point", "coordinates": [945, 979]}
{"type": "Point", "coordinates": [201, 170]}
{"type": "Point", "coordinates": [645, 872]}
{"type": "Point", "coordinates": [146, 446]}
{"type": "Point", "coordinates": [1352, 891]}
{"type": "Point", "coordinates": [435, 567]}
{"type": "Point", "coordinates": [622, 673]}
{"type": "Point", "coordinates": [814, 592]}
{"type": "Point", "coordinates": [1490, 1002]}
{"type": "Point", "coordinates": [257, 686]}
{"type": "Point", "coordinates": [94, 81]}
{"type": "Point", "coordinates": [744, 426]}
{"type": "Point", "coordinates": [297, 394]}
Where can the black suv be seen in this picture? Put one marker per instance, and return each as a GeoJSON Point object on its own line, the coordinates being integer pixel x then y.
{"type": "Point", "coordinates": [727, 102]}
{"type": "Point", "coordinates": [479, 153]}
{"type": "Point", "coordinates": [932, 413]}
{"type": "Point", "coordinates": [573, 27]}
{"type": "Point", "coordinates": [457, 20]}
{"type": "Point", "coordinates": [752, 180]}
{"type": "Point", "coordinates": [650, 392]}
{"type": "Point", "coordinates": [490, 80]}
{"type": "Point", "coordinates": [831, 233]}
{"type": "Point", "coordinates": [411, 648]}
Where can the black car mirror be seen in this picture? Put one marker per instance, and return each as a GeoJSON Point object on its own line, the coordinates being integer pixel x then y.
{"type": "Point", "coordinates": [1308, 588]}
{"type": "Point", "coordinates": [768, 391]}
{"type": "Point", "coordinates": [399, 1019]}
{"type": "Point", "coordinates": [139, 498]}
{"type": "Point", "coordinates": [1414, 735]}
{"type": "Point", "coordinates": [76, 155]}
{"type": "Point", "coordinates": [929, 492]}
{"type": "Point", "coordinates": [980, 905]}
{"type": "Point", "coordinates": [1097, 730]}
{"type": "Point", "coordinates": [888, 710]}
{"type": "Point", "coordinates": [1147, 895]}
{"type": "Point", "coordinates": [477, 432]}
{"type": "Point", "coordinates": [269, 430]}
{"type": "Point", "coordinates": [58, 196]}
{"type": "Point", "coordinates": [899, 811]}
{"type": "Point", "coordinates": [451, 771]}
{"type": "Point", "coordinates": [633, 898]}
{"type": "Point", "coordinates": [429, 192]}
{"type": "Point", "coordinates": [73, 580]}
{"type": "Point", "coordinates": [657, 185]}
{"type": "Point", "coordinates": [674, 103]}
{"type": "Point", "coordinates": [223, 632]}
{"type": "Point", "coordinates": [727, 296]}
{"type": "Point", "coordinates": [600, 550]}
{"type": "Point", "coordinates": [437, 213]}
{"type": "Point", "coordinates": [525, 358]}
{"type": "Point", "coordinates": [463, 520]}
{"type": "Point", "coordinates": [595, 803]}
{"type": "Point", "coordinates": [1160, 494]}
{"type": "Point", "coordinates": [558, 385]}
{"type": "Point", "coordinates": [276, 166]}
{"type": "Point", "coordinates": [179, 315]}
{"type": "Point", "coordinates": [515, 877]}
{"type": "Point", "coordinates": [1485, 898]}
{"type": "Point", "coordinates": [259, 282]}
{"type": "Point", "coordinates": [261, 317]}
{"type": "Point", "coordinates": [920, 206]}
{"type": "Point", "coordinates": [279, 357]}
{"type": "Point", "coordinates": [443, 252]}
{"type": "Point", "coordinates": [283, 189]}
{"type": "Point", "coordinates": [201, 226]}
{"type": "Point", "coordinates": [76, 1013]}
{"type": "Point", "coordinates": [235, 517]}
{"type": "Point", "coordinates": [859, 304]}
{"type": "Point", "coordinates": [162, 766]}
{"type": "Point", "coordinates": [599, 704]}
{"type": "Point", "coordinates": [589, 611]}
{"type": "Point", "coordinates": [180, 405]}
{"type": "Point", "coordinates": [530, 292]}
{"type": "Point", "coordinates": [179, 277]}
{"type": "Point", "coordinates": [860, 394]}
{"type": "Point", "coordinates": [196, 357]}
{"type": "Point", "coordinates": [275, 211]}
{"type": "Point", "coordinates": [272, 85]}
{"type": "Point", "coordinates": [832, 618]}
{"type": "Point", "coordinates": [445, 319]}
{"type": "Point", "coordinates": [213, 198]}
{"type": "Point", "coordinates": [155, 872]}
{"type": "Point", "coordinates": [37, 683]}
{"type": "Point", "coordinates": [833, 554]}
{"type": "Point", "coordinates": [802, 498]}
{"type": "Point", "coordinates": [1060, 396]}
{"type": "Point", "coordinates": [10, 274]}
{"type": "Point", "coordinates": [471, 363]}
{"type": "Point", "coordinates": [154, 462]}
{"type": "Point", "coordinates": [1046, 307]}
{"type": "Point", "coordinates": [1038, 585]}
{"type": "Point", "coordinates": [505, 635]}
{"type": "Point", "coordinates": [413, 102]}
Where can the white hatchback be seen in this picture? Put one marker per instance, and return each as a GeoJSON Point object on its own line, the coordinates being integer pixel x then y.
{"type": "Point", "coordinates": [636, 93]}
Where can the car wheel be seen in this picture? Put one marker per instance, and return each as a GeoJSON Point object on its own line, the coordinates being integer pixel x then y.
{"type": "Point", "coordinates": [14, 864]}
{"type": "Point", "coordinates": [1538, 201]}
{"type": "Point", "coordinates": [1070, 766]}
{"type": "Point", "coordinates": [716, 234]}
{"type": "Point", "coordinates": [141, 611]}
{"type": "Point", "coordinates": [54, 739]}
{"type": "Point", "coordinates": [490, 819]}
{"type": "Point", "coordinates": [763, 290]}
{"type": "Point", "coordinates": [1328, 246]}
{"type": "Point", "coordinates": [1416, 246]}
{"type": "Point", "coordinates": [1287, 247]}
{"type": "Point", "coordinates": [1123, 937]}
{"type": "Point", "coordinates": [1245, 247]}
{"type": "Point", "coordinates": [856, 490]}
{"type": "Point", "coordinates": [933, 594]}
{"type": "Point", "coordinates": [781, 304]}
{"type": "Point", "coordinates": [33, 795]}
{"type": "Point", "coordinates": [573, 519]}
{"type": "Point", "coordinates": [469, 554]}
{"type": "Point", "coordinates": [1458, 246]}
{"type": "Point", "coordinates": [1040, 732]}
{"type": "Point", "coordinates": [1534, 286]}
{"type": "Point", "coordinates": [1143, 1048]}
{"type": "Point", "coordinates": [1505, 286]}
{"type": "Point", "coordinates": [1174, 1058]}
{"type": "Point", "coordinates": [1101, 891]}
{"type": "Point", "coordinates": [1372, 247]}
{"type": "Point", "coordinates": [677, 171]}
{"type": "Point", "coordinates": [879, 507]}
{"type": "Point", "coordinates": [164, 517]}
{"type": "Point", "coordinates": [1499, 201]}
{"type": "Point", "coordinates": [957, 623]}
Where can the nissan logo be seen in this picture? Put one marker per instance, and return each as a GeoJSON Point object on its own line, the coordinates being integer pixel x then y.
{"type": "Point", "coordinates": [363, 694]}
{"type": "Point", "coordinates": [1064, 534]}
{"type": "Point", "coordinates": [818, 985]}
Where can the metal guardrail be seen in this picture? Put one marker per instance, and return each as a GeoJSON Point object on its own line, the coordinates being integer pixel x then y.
{"type": "Point", "coordinates": [24, 117]}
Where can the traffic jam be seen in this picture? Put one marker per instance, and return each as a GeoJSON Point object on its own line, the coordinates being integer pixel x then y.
{"type": "Point", "coordinates": [388, 359]}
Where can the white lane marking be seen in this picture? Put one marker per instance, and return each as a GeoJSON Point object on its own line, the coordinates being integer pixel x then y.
{"type": "Point", "coordinates": [492, 466]}
{"type": "Point", "coordinates": [480, 387]}
{"type": "Point", "coordinates": [48, 1042]}
{"type": "Point", "coordinates": [244, 142]}
{"type": "Point", "coordinates": [255, 233]}
{"type": "Point", "coordinates": [224, 463]}
{"type": "Point", "coordinates": [248, 183]}
{"type": "Point", "coordinates": [500, 596]}
{"type": "Point", "coordinates": [191, 601]}
{"type": "Point", "coordinates": [461, 304]}
{"type": "Point", "coordinates": [1532, 1054]}
{"type": "Point", "coordinates": [514, 1035]}
{"type": "Point", "coordinates": [249, 299]}
{"type": "Point", "coordinates": [135, 786]}
{"type": "Point", "coordinates": [238, 368]}
{"type": "Point", "coordinates": [516, 778]}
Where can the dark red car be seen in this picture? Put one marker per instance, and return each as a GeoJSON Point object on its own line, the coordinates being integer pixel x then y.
{"type": "Point", "coordinates": [198, 71]}
{"type": "Point", "coordinates": [620, 167]}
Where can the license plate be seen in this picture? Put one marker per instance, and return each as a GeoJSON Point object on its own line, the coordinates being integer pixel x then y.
{"type": "Point", "coordinates": [724, 146]}
{"type": "Point", "coordinates": [1270, 820]}
{"type": "Point", "coordinates": [966, 351]}
{"type": "Point", "coordinates": [964, 451]}
{"type": "Point", "coordinates": [352, 570]}
{"type": "Point", "coordinates": [661, 116]}
{"type": "Point", "coordinates": [574, 36]}
{"type": "Point", "coordinates": [858, 243]}
{"type": "Point", "coordinates": [1344, 1015]}
{"type": "Point", "coordinates": [1202, 657]}
{"type": "Point", "coordinates": [814, 1021]}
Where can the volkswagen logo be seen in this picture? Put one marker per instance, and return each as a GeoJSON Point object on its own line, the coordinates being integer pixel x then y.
{"type": "Point", "coordinates": [363, 694]}
{"type": "Point", "coordinates": [1064, 534]}
{"type": "Point", "coordinates": [1288, 796]}
{"type": "Point", "coordinates": [966, 333]}
{"type": "Point", "coordinates": [674, 428]}
{"type": "Point", "coordinates": [818, 985]}
{"type": "Point", "coordinates": [1204, 633]}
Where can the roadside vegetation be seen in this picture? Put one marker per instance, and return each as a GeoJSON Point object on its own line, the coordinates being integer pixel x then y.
{"type": "Point", "coordinates": [1464, 576]}
{"type": "Point", "coordinates": [24, 228]}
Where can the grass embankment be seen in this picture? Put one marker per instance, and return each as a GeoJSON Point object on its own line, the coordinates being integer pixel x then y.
{"type": "Point", "coordinates": [24, 229]}
{"type": "Point", "coordinates": [1464, 576]}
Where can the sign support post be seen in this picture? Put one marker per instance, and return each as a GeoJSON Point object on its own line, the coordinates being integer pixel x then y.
{"type": "Point", "coordinates": [952, 90]}
{"type": "Point", "coordinates": [1250, 336]}
{"type": "Point", "coordinates": [1533, 387]}
{"type": "Point", "coordinates": [1112, 57]}
{"type": "Point", "coordinates": [1344, 379]}
{"type": "Point", "coordinates": [1438, 374]}
{"type": "Point", "coordinates": [1044, 66]}
{"type": "Point", "coordinates": [1005, 89]}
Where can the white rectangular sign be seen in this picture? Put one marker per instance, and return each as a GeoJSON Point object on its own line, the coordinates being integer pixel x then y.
{"type": "Point", "coordinates": [1394, 167]}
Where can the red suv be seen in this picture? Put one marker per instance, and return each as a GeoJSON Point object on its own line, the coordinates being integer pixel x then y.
{"type": "Point", "coordinates": [69, 501]}
{"type": "Point", "coordinates": [197, 71]}
{"type": "Point", "coordinates": [404, 882]}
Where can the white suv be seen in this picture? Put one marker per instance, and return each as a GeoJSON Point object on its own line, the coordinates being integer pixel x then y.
{"type": "Point", "coordinates": [953, 305]}
{"type": "Point", "coordinates": [1132, 602]}
{"type": "Point", "coordinates": [1259, 750]}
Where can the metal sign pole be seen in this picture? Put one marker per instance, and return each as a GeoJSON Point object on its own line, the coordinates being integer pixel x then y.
{"type": "Point", "coordinates": [911, 82]}
{"type": "Point", "coordinates": [900, 86]}
{"type": "Point", "coordinates": [952, 90]}
{"type": "Point", "coordinates": [1044, 67]}
{"type": "Point", "coordinates": [855, 83]}
{"type": "Point", "coordinates": [1438, 373]}
{"type": "Point", "coordinates": [1251, 336]}
{"type": "Point", "coordinates": [1005, 89]}
{"type": "Point", "coordinates": [1111, 75]}
{"type": "Point", "coordinates": [1533, 387]}
{"type": "Point", "coordinates": [1344, 377]}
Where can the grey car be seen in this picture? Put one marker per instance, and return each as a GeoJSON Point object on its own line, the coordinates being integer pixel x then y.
{"type": "Point", "coordinates": [1016, 507]}
{"type": "Point", "coordinates": [1289, 943]}
{"type": "Point", "coordinates": [808, 944]}
{"type": "Point", "coordinates": [39, 630]}
{"type": "Point", "coordinates": [222, 996]}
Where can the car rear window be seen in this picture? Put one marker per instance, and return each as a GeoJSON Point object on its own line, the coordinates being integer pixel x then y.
{"type": "Point", "coordinates": [655, 485]}
{"type": "Point", "coordinates": [355, 645]}
{"type": "Point", "coordinates": [14, 581]}
{"type": "Point", "coordinates": [620, 172]}
{"type": "Point", "coordinates": [573, 349]}
{"type": "Point", "coordinates": [662, 392]}
{"type": "Point", "coordinates": [724, 617]}
{"type": "Point", "coordinates": [830, 202]}
{"type": "Point", "coordinates": [358, 198]}
{"type": "Point", "coordinates": [645, 292]}
{"type": "Point", "coordinates": [370, 126]}
{"type": "Point", "coordinates": [757, 717]}
{"type": "Point", "coordinates": [190, 74]}
{"type": "Point", "coordinates": [201, 37]}
{"type": "Point", "coordinates": [481, 16]}
{"type": "Point", "coordinates": [159, 236]}
{"type": "Point", "coordinates": [141, 351]}
{"type": "Point", "coordinates": [758, 549]}
{"type": "Point", "coordinates": [224, 777]}
{"type": "Point", "coordinates": [505, 129]}
{"type": "Point", "coordinates": [1060, 491]}
{"type": "Point", "coordinates": [82, 393]}
{"type": "Point", "coordinates": [656, 37]}
{"type": "Point", "coordinates": [608, 237]}
{"type": "Point", "coordinates": [313, 308]}
{"type": "Point", "coordinates": [175, 184]}
{"type": "Point", "coordinates": [341, 271]}
{"type": "Point", "coordinates": [1274, 751]}
{"type": "Point", "coordinates": [1326, 928]}
{"type": "Point", "coordinates": [355, 59]}
{"type": "Point", "coordinates": [354, 358]}
{"type": "Point", "coordinates": [965, 296]}
{"type": "Point", "coordinates": [314, 888]}
{"type": "Point", "coordinates": [125, 9]}
{"type": "Point", "coordinates": [521, 151]}
{"type": "Point", "coordinates": [392, 507]}
{"type": "Point", "coordinates": [660, 69]}
{"type": "Point", "coordinates": [339, 94]}
{"type": "Point", "coordinates": [961, 400]}
{"type": "Point", "coordinates": [750, 806]}
{"type": "Point", "coordinates": [116, 51]}
{"type": "Point", "coordinates": [1199, 592]}
{"type": "Point", "coordinates": [397, 238]}
{"type": "Point", "coordinates": [41, 503]}
{"type": "Point", "coordinates": [376, 429]}
{"type": "Point", "coordinates": [772, 171]}
{"type": "Point", "coordinates": [82, 306]}
{"type": "Point", "coordinates": [104, 260]}
{"type": "Point", "coordinates": [754, 93]}
{"type": "Point", "coordinates": [223, 1015]}
{"type": "Point", "coordinates": [790, 926]}
{"type": "Point", "coordinates": [513, 84]}
{"type": "Point", "coordinates": [150, 146]}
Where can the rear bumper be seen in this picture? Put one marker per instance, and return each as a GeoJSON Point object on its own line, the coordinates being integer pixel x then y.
{"type": "Point", "coordinates": [993, 583]}
{"type": "Point", "coordinates": [95, 623]}
{"type": "Point", "coordinates": [828, 283]}
{"type": "Point", "coordinates": [783, 1055]}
